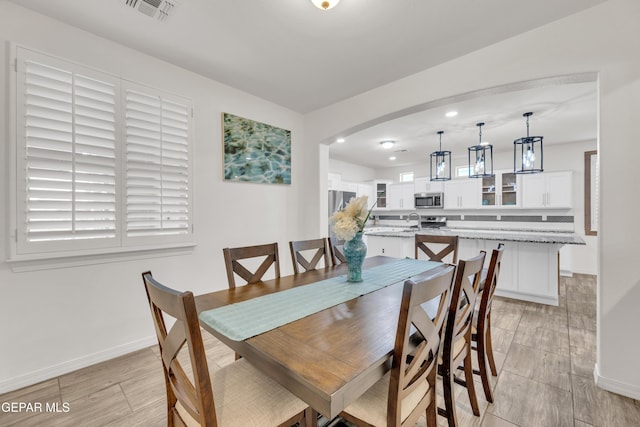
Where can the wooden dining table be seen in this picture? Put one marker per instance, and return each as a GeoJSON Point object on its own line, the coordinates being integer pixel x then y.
{"type": "Point", "coordinates": [329, 358]}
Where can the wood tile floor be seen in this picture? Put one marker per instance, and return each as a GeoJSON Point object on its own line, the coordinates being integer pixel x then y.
{"type": "Point", "coordinates": [545, 357]}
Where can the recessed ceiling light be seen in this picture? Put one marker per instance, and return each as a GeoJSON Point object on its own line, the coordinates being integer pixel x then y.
{"type": "Point", "coordinates": [392, 158]}
{"type": "Point", "coordinates": [451, 113]}
{"type": "Point", "coordinates": [387, 144]}
{"type": "Point", "coordinates": [340, 140]}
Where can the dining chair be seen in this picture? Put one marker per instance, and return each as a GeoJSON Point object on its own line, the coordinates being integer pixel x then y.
{"type": "Point", "coordinates": [481, 328]}
{"type": "Point", "coordinates": [232, 256]}
{"type": "Point", "coordinates": [235, 395]}
{"type": "Point", "coordinates": [408, 390]}
{"type": "Point", "coordinates": [337, 250]}
{"type": "Point", "coordinates": [301, 247]}
{"type": "Point", "coordinates": [456, 347]}
{"type": "Point", "coordinates": [437, 247]}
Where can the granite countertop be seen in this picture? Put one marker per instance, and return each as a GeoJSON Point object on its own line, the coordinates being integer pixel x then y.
{"type": "Point", "coordinates": [531, 236]}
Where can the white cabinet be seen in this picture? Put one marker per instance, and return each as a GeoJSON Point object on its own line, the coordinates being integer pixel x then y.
{"type": "Point", "coordinates": [400, 196]}
{"type": "Point", "coordinates": [349, 186]}
{"type": "Point", "coordinates": [548, 190]}
{"type": "Point", "coordinates": [501, 190]}
{"type": "Point", "coordinates": [366, 190]}
{"type": "Point", "coordinates": [462, 194]}
{"type": "Point", "coordinates": [380, 189]}
{"type": "Point", "coordinates": [425, 185]}
{"type": "Point", "coordinates": [397, 247]}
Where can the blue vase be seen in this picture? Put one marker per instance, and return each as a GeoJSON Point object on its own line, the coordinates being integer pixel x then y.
{"type": "Point", "coordinates": [355, 250]}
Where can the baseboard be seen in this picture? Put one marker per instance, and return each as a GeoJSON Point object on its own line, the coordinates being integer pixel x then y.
{"type": "Point", "coordinates": [566, 273]}
{"type": "Point", "coordinates": [53, 371]}
{"type": "Point", "coordinates": [540, 299]}
{"type": "Point", "coordinates": [615, 386]}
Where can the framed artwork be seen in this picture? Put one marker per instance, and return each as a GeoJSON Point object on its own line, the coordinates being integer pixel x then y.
{"type": "Point", "coordinates": [255, 152]}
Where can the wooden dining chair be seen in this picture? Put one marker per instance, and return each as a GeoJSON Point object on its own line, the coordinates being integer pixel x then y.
{"type": "Point", "coordinates": [235, 395]}
{"type": "Point", "coordinates": [481, 329]}
{"type": "Point", "coordinates": [337, 250]}
{"type": "Point", "coordinates": [233, 256]}
{"type": "Point", "coordinates": [456, 347]}
{"type": "Point", "coordinates": [300, 247]}
{"type": "Point", "coordinates": [437, 247]}
{"type": "Point", "coordinates": [409, 390]}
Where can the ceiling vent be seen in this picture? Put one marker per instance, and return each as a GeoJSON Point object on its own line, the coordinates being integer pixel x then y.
{"type": "Point", "coordinates": [159, 9]}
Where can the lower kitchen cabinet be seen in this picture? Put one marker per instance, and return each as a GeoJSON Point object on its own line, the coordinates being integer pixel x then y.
{"type": "Point", "coordinates": [529, 271]}
{"type": "Point", "coordinates": [397, 247]}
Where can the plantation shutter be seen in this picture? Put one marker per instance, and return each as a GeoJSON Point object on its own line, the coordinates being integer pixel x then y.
{"type": "Point", "coordinates": [157, 165]}
{"type": "Point", "coordinates": [67, 122]}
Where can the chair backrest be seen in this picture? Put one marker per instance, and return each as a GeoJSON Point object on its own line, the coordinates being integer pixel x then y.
{"type": "Point", "coordinates": [298, 248]}
{"type": "Point", "coordinates": [491, 281]}
{"type": "Point", "coordinates": [463, 299]}
{"type": "Point", "coordinates": [415, 356]}
{"type": "Point", "coordinates": [195, 396]}
{"type": "Point", "coordinates": [437, 247]}
{"type": "Point", "coordinates": [337, 250]}
{"type": "Point", "coordinates": [232, 256]}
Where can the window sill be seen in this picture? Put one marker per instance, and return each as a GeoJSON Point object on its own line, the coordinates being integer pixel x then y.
{"type": "Point", "coordinates": [22, 263]}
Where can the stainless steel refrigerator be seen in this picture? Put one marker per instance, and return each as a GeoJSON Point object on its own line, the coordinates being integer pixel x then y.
{"type": "Point", "coordinates": [338, 200]}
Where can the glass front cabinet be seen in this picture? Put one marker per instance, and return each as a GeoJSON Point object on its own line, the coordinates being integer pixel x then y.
{"type": "Point", "coordinates": [501, 190]}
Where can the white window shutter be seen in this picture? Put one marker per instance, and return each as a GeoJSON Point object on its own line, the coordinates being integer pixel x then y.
{"type": "Point", "coordinates": [68, 155]}
{"type": "Point", "coordinates": [157, 165]}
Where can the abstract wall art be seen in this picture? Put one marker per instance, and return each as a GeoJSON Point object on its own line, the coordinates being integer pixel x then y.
{"type": "Point", "coordinates": [255, 152]}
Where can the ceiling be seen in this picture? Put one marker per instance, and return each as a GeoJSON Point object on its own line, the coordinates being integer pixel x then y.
{"type": "Point", "coordinates": [303, 58]}
{"type": "Point", "coordinates": [298, 56]}
{"type": "Point", "coordinates": [564, 112]}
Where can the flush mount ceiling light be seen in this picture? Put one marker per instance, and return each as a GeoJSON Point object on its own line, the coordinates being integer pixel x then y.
{"type": "Point", "coordinates": [480, 158]}
{"type": "Point", "coordinates": [387, 145]}
{"type": "Point", "coordinates": [440, 163]}
{"type": "Point", "coordinates": [325, 4]}
{"type": "Point", "coordinates": [527, 152]}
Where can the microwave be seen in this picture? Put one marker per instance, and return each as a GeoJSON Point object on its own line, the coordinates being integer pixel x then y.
{"type": "Point", "coordinates": [429, 200]}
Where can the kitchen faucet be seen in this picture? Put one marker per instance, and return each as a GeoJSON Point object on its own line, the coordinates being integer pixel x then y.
{"type": "Point", "coordinates": [417, 217]}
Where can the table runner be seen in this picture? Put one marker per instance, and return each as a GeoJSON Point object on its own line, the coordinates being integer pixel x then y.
{"type": "Point", "coordinates": [249, 318]}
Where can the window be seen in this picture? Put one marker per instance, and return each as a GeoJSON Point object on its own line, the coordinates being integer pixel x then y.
{"type": "Point", "coordinates": [102, 164]}
{"type": "Point", "coordinates": [406, 177]}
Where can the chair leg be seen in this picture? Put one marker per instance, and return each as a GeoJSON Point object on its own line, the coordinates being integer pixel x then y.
{"type": "Point", "coordinates": [471, 390]}
{"type": "Point", "coordinates": [431, 414]}
{"type": "Point", "coordinates": [482, 365]}
{"type": "Point", "coordinates": [310, 417]}
{"type": "Point", "coordinates": [449, 396]}
{"type": "Point", "coordinates": [489, 348]}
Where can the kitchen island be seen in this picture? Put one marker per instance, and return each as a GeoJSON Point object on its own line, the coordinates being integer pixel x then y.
{"type": "Point", "coordinates": [530, 264]}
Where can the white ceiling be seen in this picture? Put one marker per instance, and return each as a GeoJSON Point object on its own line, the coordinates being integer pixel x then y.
{"type": "Point", "coordinates": [563, 112]}
{"type": "Point", "coordinates": [295, 55]}
{"type": "Point", "coordinates": [304, 58]}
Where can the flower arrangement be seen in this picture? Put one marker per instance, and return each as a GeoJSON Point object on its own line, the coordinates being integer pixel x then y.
{"type": "Point", "coordinates": [351, 219]}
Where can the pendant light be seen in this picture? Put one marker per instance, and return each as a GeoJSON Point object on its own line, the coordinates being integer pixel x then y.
{"type": "Point", "coordinates": [440, 163]}
{"type": "Point", "coordinates": [480, 158]}
{"type": "Point", "coordinates": [527, 152]}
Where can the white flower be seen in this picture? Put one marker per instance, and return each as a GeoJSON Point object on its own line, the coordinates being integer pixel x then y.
{"type": "Point", "coordinates": [351, 219]}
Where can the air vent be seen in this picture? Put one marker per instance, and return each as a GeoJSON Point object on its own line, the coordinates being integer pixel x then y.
{"type": "Point", "coordinates": [159, 9]}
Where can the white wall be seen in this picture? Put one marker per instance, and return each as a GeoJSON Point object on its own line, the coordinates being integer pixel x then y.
{"type": "Point", "coordinates": [58, 320]}
{"type": "Point", "coordinates": [604, 39]}
{"type": "Point", "coordinates": [351, 172]}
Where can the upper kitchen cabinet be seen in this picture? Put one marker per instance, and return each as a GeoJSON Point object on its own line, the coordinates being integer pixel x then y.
{"type": "Point", "coordinates": [501, 190]}
{"type": "Point", "coordinates": [425, 185]}
{"type": "Point", "coordinates": [381, 190]}
{"type": "Point", "coordinates": [367, 190]}
{"type": "Point", "coordinates": [548, 190]}
{"type": "Point", "coordinates": [462, 194]}
{"type": "Point", "coordinates": [400, 196]}
{"type": "Point", "coordinates": [334, 181]}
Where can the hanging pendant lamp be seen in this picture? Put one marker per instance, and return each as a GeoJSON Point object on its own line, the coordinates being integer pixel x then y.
{"type": "Point", "coordinates": [527, 152]}
{"type": "Point", "coordinates": [440, 163]}
{"type": "Point", "coordinates": [480, 158]}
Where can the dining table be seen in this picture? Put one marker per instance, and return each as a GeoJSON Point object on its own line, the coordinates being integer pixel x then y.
{"type": "Point", "coordinates": [330, 356]}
